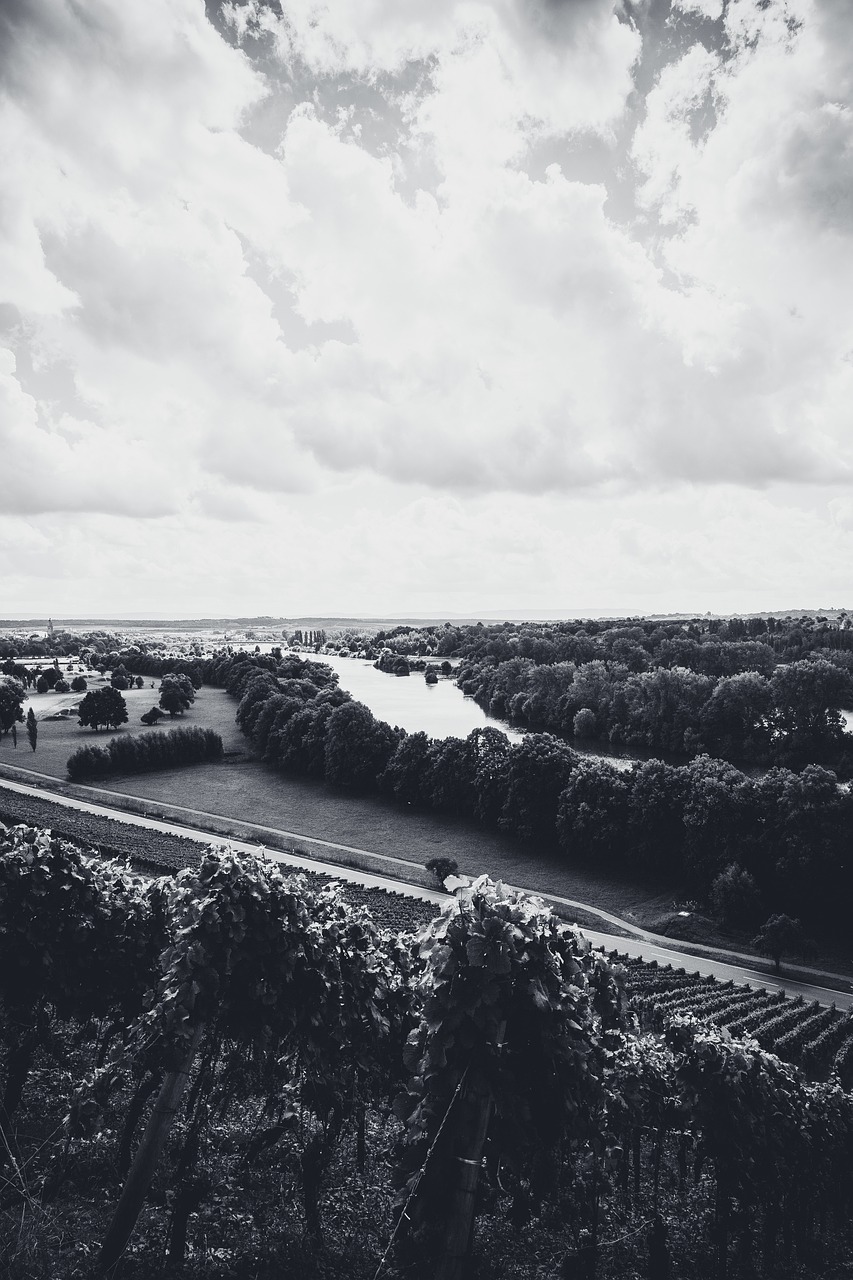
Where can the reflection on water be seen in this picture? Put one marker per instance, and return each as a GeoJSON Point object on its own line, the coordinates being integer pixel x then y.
{"type": "Point", "coordinates": [441, 710]}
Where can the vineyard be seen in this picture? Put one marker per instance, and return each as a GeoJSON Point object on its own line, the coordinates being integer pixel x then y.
{"type": "Point", "coordinates": [816, 1038]}
{"type": "Point", "coordinates": [231, 1071]}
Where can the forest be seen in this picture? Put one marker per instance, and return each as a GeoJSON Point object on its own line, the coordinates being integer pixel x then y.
{"type": "Point", "coordinates": [753, 691]}
{"type": "Point", "coordinates": [266, 1080]}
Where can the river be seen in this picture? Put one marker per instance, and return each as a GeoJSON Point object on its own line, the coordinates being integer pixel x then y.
{"type": "Point", "coordinates": [441, 710]}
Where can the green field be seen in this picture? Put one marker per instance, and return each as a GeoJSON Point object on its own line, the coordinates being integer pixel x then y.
{"type": "Point", "coordinates": [57, 739]}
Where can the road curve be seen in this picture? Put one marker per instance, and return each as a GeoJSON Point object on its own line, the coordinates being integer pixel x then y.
{"type": "Point", "coordinates": [643, 945]}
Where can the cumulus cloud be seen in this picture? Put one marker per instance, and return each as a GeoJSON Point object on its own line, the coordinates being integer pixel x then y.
{"type": "Point", "coordinates": [307, 250]}
{"type": "Point", "coordinates": [59, 464]}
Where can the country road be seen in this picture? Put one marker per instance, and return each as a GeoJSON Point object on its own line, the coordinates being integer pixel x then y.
{"type": "Point", "coordinates": [642, 944]}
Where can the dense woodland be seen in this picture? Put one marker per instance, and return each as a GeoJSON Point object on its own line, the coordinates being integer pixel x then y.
{"type": "Point", "coordinates": [754, 691]}
{"type": "Point", "coordinates": [787, 835]}
{"type": "Point", "coordinates": [265, 1081]}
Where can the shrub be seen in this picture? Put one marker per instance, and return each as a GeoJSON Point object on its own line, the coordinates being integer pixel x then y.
{"type": "Point", "coordinates": [441, 868]}
{"type": "Point", "coordinates": [146, 751]}
{"type": "Point", "coordinates": [735, 898]}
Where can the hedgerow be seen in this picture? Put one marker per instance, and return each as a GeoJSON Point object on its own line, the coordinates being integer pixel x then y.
{"type": "Point", "coordinates": [146, 751]}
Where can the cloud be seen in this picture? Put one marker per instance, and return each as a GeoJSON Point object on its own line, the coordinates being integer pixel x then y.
{"type": "Point", "coordinates": [68, 464]}
{"type": "Point", "coordinates": [370, 549]}
{"type": "Point", "coordinates": [712, 9]}
{"type": "Point", "coordinates": [366, 269]}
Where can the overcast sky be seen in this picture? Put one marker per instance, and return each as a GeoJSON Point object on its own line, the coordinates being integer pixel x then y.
{"type": "Point", "coordinates": [392, 305]}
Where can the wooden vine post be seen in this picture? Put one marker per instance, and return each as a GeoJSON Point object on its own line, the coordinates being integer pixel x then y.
{"type": "Point", "coordinates": [146, 1159]}
{"type": "Point", "coordinates": [474, 1111]}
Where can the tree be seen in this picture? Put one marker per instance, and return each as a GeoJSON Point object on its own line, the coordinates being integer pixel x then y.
{"type": "Point", "coordinates": [584, 723]}
{"type": "Point", "coordinates": [358, 746]}
{"type": "Point", "coordinates": [41, 685]}
{"type": "Point", "coordinates": [441, 868]}
{"type": "Point", "coordinates": [176, 694]}
{"type": "Point", "coordinates": [406, 770]}
{"type": "Point", "coordinates": [735, 720]}
{"type": "Point", "coordinates": [779, 935]}
{"type": "Point", "coordinates": [32, 728]}
{"type": "Point", "coordinates": [152, 716]}
{"type": "Point", "coordinates": [735, 897]}
{"type": "Point", "coordinates": [61, 686]}
{"type": "Point", "coordinates": [539, 769]}
{"type": "Point", "coordinates": [102, 708]}
{"type": "Point", "coordinates": [11, 703]}
{"type": "Point", "coordinates": [807, 696]}
{"type": "Point", "coordinates": [79, 685]}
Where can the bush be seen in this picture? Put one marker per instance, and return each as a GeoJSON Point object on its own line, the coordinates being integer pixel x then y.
{"type": "Point", "coordinates": [147, 751]}
{"type": "Point", "coordinates": [441, 868]}
{"type": "Point", "coordinates": [735, 898]}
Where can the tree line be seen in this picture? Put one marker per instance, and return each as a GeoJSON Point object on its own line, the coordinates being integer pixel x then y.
{"type": "Point", "coordinates": [790, 716]}
{"type": "Point", "coordinates": [710, 646]}
{"type": "Point", "coordinates": [787, 835]}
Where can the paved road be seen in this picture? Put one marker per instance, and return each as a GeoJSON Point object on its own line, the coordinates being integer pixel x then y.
{"type": "Point", "coordinates": [643, 945]}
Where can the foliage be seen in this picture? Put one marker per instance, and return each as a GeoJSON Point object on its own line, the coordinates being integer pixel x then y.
{"type": "Point", "coordinates": [735, 898]}
{"type": "Point", "coordinates": [441, 868]}
{"type": "Point", "coordinates": [32, 728]}
{"type": "Point", "coordinates": [146, 751]}
{"type": "Point", "coordinates": [517, 1001]}
{"type": "Point", "coordinates": [102, 708]}
{"type": "Point", "coordinates": [308, 1018]}
{"type": "Point", "coordinates": [358, 747]}
{"type": "Point", "coordinates": [11, 702]}
{"type": "Point", "coordinates": [779, 935]}
{"type": "Point", "coordinates": [176, 694]}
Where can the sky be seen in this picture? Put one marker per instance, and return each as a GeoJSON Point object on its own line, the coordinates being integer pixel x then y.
{"type": "Point", "coordinates": [390, 307]}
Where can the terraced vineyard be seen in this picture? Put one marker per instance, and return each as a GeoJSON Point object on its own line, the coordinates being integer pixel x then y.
{"type": "Point", "coordinates": [815, 1038]}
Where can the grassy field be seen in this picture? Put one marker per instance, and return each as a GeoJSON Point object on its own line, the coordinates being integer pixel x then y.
{"type": "Point", "coordinates": [58, 739]}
